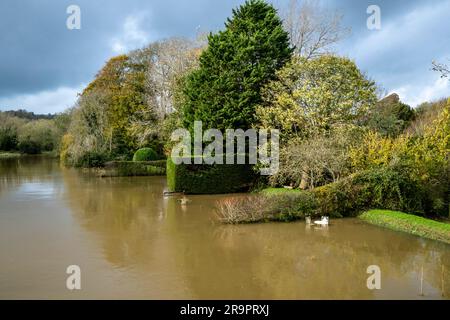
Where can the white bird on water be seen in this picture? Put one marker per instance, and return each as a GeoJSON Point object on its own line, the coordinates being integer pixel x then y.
{"type": "Point", "coordinates": [323, 221]}
{"type": "Point", "coordinates": [184, 201]}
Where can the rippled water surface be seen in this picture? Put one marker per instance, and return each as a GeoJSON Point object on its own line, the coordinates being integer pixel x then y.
{"type": "Point", "coordinates": [131, 242]}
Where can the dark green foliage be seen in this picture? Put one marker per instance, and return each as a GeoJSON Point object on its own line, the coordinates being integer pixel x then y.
{"type": "Point", "coordinates": [437, 193]}
{"type": "Point", "coordinates": [145, 154]}
{"type": "Point", "coordinates": [29, 146]}
{"type": "Point", "coordinates": [292, 206]}
{"type": "Point", "coordinates": [225, 90]}
{"type": "Point", "coordinates": [384, 188]}
{"type": "Point", "coordinates": [92, 160]}
{"type": "Point", "coordinates": [209, 179]}
{"type": "Point", "coordinates": [390, 116]}
{"type": "Point", "coordinates": [8, 138]}
{"type": "Point", "coordinates": [133, 168]}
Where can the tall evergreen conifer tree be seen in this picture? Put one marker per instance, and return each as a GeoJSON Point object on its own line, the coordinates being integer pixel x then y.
{"type": "Point", "coordinates": [238, 61]}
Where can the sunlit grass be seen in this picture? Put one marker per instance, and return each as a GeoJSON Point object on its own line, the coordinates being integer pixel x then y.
{"type": "Point", "coordinates": [409, 223]}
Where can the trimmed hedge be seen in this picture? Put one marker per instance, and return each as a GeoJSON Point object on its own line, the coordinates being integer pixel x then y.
{"type": "Point", "coordinates": [145, 154]}
{"type": "Point", "coordinates": [134, 168]}
{"type": "Point", "coordinates": [209, 179]}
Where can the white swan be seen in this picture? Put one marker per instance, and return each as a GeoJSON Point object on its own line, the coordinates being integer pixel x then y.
{"type": "Point", "coordinates": [323, 221]}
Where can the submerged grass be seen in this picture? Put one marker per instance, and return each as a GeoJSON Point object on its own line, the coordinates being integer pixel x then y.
{"type": "Point", "coordinates": [409, 223]}
{"type": "Point", "coordinates": [282, 206]}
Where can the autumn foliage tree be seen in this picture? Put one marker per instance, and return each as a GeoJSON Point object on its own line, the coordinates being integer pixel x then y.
{"type": "Point", "coordinates": [311, 96]}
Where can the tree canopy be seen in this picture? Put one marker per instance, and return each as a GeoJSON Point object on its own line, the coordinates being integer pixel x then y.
{"type": "Point", "coordinates": [224, 91]}
{"type": "Point", "coordinates": [311, 96]}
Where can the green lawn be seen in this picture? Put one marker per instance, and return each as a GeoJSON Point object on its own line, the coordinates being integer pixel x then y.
{"type": "Point", "coordinates": [416, 225]}
{"type": "Point", "coordinates": [271, 191]}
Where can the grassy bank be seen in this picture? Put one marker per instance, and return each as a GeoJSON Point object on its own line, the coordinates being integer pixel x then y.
{"type": "Point", "coordinates": [409, 223]}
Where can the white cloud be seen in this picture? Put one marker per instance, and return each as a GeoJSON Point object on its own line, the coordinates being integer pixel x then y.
{"type": "Point", "coordinates": [415, 95]}
{"type": "Point", "coordinates": [49, 101]}
{"type": "Point", "coordinates": [398, 57]}
{"type": "Point", "coordinates": [409, 34]}
{"type": "Point", "coordinates": [132, 36]}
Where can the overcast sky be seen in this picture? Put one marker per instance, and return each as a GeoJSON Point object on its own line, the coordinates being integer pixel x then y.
{"type": "Point", "coordinates": [43, 65]}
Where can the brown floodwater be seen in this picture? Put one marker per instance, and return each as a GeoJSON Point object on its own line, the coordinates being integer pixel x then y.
{"type": "Point", "coordinates": [131, 242]}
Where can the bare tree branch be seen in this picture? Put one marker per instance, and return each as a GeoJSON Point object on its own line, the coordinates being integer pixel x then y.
{"type": "Point", "coordinates": [443, 69]}
{"type": "Point", "coordinates": [313, 30]}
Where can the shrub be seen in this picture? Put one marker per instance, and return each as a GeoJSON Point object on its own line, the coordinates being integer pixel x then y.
{"type": "Point", "coordinates": [280, 207]}
{"type": "Point", "coordinates": [316, 161]}
{"type": "Point", "coordinates": [9, 128]}
{"type": "Point", "coordinates": [92, 159]}
{"type": "Point", "coordinates": [145, 154]}
{"type": "Point", "coordinates": [209, 179]}
{"type": "Point", "coordinates": [294, 205]}
{"type": "Point", "coordinates": [8, 139]}
{"type": "Point", "coordinates": [132, 168]}
{"type": "Point", "coordinates": [384, 188]}
{"type": "Point", "coordinates": [425, 155]}
{"type": "Point", "coordinates": [29, 146]}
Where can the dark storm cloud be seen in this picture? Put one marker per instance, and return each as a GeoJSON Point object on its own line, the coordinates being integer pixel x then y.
{"type": "Point", "coordinates": [39, 52]}
{"type": "Point", "coordinates": [398, 57]}
{"type": "Point", "coordinates": [43, 64]}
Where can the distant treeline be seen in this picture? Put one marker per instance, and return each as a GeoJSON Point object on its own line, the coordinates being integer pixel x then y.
{"type": "Point", "coordinates": [30, 133]}
{"type": "Point", "coordinates": [24, 114]}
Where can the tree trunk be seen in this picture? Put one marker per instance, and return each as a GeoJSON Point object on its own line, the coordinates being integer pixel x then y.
{"type": "Point", "coordinates": [304, 180]}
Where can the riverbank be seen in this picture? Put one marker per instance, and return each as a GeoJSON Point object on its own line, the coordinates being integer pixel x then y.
{"type": "Point", "coordinates": [409, 223]}
{"type": "Point", "coordinates": [132, 168]}
{"type": "Point", "coordinates": [15, 155]}
{"type": "Point", "coordinates": [10, 155]}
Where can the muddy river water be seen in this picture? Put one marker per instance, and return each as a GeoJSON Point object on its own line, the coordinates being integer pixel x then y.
{"type": "Point", "coordinates": [130, 242]}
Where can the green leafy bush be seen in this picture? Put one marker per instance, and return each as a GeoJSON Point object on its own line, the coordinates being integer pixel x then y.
{"type": "Point", "coordinates": [291, 206]}
{"type": "Point", "coordinates": [92, 159]}
{"type": "Point", "coordinates": [384, 188]}
{"type": "Point", "coordinates": [133, 168]}
{"type": "Point", "coordinates": [29, 146]}
{"type": "Point", "coordinates": [209, 179]}
{"type": "Point", "coordinates": [8, 139]}
{"type": "Point", "coordinates": [145, 154]}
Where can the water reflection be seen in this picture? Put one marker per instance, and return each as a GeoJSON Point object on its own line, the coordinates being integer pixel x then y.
{"type": "Point", "coordinates": [142, 229]}
{"type": "Point", "coordinates": [134, 243]}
